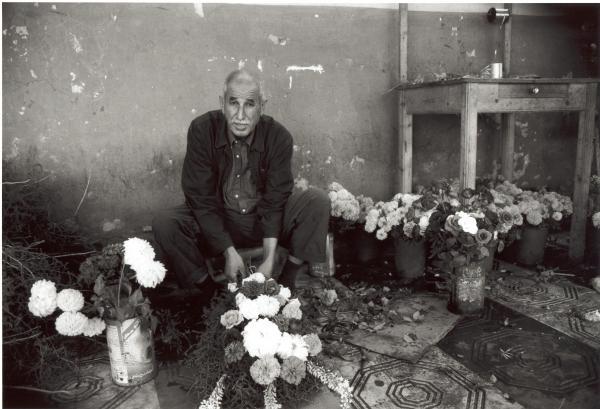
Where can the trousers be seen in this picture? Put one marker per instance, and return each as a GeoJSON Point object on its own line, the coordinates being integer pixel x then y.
{"type": "Point", "coordinates": [184, 251]}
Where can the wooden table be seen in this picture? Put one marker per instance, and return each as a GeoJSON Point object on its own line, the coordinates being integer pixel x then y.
{"type": "Point", "coordinates": [468, 97]}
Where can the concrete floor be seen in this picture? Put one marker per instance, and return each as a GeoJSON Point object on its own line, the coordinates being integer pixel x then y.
{"type": "Point", "coordinates": [531, 349]}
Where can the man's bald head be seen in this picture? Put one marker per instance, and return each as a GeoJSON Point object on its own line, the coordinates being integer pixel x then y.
{"type": "Point", "coordinates": [243, 77]}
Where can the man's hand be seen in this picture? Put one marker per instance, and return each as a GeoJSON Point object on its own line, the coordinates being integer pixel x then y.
{"type": "Point", "coordinates": [234, 264]}
{"type": "Point", "coordinates": [269, 250]}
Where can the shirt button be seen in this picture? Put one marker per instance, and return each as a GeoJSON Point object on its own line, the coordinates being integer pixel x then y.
{"type": "Point", "coordinates": [237, 176]}
{"type": "Point", "coordinates": [236, 196]}
{"type": "Point", "coordinates": [237, 156]}
{"type": "Point", "coordinates": [243, 210]}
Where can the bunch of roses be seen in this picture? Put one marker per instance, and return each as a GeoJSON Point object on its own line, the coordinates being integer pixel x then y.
{"type": "Point", "coordinates": [343, 203]}
{"type": "Point", "coordinates": [558, 205]}
{"type": "Point", "coordinates": [467, 238]}
{"type": "Point", "coordinates": [266, 313]}
{"type": "Point", "coordinates": [404, 216]}
{"type": "Point", "coordinates": [44, 300]}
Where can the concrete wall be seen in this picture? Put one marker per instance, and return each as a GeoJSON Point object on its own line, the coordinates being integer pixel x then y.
{"type": "Point", "coordinates": [105, 92]}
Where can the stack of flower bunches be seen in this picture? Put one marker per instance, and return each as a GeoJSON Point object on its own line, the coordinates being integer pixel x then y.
{"type": "Point", "coordinates": [343, 203]}
{"type": "Point", "coordinates": [267, 326]}
{"type": "Point", "coordinates": [268, 315]}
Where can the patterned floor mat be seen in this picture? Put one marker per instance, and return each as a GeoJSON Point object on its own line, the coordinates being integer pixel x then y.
{"type": "Point", "coordinates": [558, 303]}
{"type": "Point", "coordinates": [537, 365]}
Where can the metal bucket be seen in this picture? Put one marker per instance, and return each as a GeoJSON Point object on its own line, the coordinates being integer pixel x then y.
{"type": "Point", "coordinates": [326, 269]}
{"type": "Point", "coordinates": [467, 290]}
{"type": "Point", "coordinates": [131, 352]}
{"type": "Point", "coordinates": [409, 259]}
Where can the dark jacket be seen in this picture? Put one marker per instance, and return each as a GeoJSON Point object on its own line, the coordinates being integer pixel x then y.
{"type": "Point", "coordinates": [208, 160]}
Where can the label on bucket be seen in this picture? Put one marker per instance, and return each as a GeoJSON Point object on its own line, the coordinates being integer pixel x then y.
{"type": "Point", "coordinates": [131, 352]}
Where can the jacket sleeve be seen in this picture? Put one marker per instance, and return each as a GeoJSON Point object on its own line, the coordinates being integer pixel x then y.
{"type": "Point", "coordinates": [199, 183]}
{"type": "Point", "coordinates": [278, 187]}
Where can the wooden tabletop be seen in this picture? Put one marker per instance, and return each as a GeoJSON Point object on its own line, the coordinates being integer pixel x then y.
{"type": "Point", "coordinates": [519, 80]}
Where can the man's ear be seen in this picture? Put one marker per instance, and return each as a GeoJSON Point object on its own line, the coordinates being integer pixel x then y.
{"type": "Point", "coordinates": [263, 104]}
{"type": "Point", "coordinates": [222, 102]}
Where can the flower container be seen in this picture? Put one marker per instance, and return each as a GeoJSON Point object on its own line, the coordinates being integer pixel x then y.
{"type": "Point", "coordinates": [467, 289]}
{"type": "Point", "coordinates": [409, 258]}
{"type": "Point", "coordinates": [592, 250]}
{"type": "Point", "coordinates": [326, 269]}
{"type": "Point", "coordinates": [365, 246]}
{"type": "Point", "coordinates": [131, 352]}
{"type": "Point", "coordinates": [488, 262]}
{"type": "Point", "coordinates": [531, 246]}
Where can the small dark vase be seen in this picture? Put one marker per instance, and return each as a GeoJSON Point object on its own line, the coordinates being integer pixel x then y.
{"type": "Point", "coordinates": [409, 258]}
{"type": "Point", "coordinates": [531, 246]}
{"type": "Point", "coordinates": [467, 289]}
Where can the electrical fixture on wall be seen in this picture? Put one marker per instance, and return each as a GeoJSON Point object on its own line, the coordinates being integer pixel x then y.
{"type": "Point", "coordinates": [497, 14]}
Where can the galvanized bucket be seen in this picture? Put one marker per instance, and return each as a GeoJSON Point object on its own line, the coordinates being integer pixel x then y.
{"type": "Point", "coordinates": [131, 352]}
{"type": "Point", "coordinates": [326, 269]}
{"type": "Point", "coordinates": [467, 289]}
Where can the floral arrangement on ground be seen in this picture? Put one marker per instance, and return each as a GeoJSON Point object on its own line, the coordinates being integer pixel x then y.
{"type": "Point", "coordinates": [259, 351]}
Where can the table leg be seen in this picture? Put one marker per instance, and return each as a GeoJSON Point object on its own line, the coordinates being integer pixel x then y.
{"type": "Point", "coordinates": [583, 167]}
{"type": "Point", "coordinates": [508, 145]}
{"type": "Point", "coordinates": [468, 139]}
{"type": "Point", "coordinates": [405, 150]}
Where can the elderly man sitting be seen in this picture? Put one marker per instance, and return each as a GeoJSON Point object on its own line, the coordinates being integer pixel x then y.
{"type": "Point", "coordinates": [237, 181]}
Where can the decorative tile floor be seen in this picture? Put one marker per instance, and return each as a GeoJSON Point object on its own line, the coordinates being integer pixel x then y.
{"type": "Point", "coordinates": [531, 349]}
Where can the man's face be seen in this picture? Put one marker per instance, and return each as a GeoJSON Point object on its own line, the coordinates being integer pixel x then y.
{"type": "Point", "coordinates": [242, 107]}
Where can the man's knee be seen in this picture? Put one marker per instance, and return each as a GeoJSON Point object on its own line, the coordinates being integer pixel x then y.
{"type": "Point", "coordinates": [319, 200]}
{"type": "Point", "coordinates": [164, 225]}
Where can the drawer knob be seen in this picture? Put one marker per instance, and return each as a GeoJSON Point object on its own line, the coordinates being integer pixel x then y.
{"type": "Point", "coordinates": [534, 90]}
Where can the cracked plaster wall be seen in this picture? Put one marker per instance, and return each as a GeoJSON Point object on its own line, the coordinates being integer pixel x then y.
{"type": "Point", "coordinates": [105, 92]}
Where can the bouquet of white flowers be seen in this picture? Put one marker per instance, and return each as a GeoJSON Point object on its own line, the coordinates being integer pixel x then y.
{"type": "Point", "coordinates": [265, 332]}
{"type": "Point", "coordinates": [114, 296]}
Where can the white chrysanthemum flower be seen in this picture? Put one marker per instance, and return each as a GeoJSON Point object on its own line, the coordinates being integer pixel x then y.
{"type": "Point", "coordinates": [261, 338]}
{"type": "Point", "coordinates": [137, 251]}
{"type": "Point", "coordinates": [381, 234]}
{"type": "Point", "coordinates": [258, 277]}
{"type": "Point", "coordinates": [285, 292]}
{"type": "Point", "coordinates": [292, 345]}
{"type": "Point", "coordinates": [71, 323]}
{"type": "Point", "coordinates": [150, 274]}
{"type": "Point", "coordinates": [44, 289]}
{"type": "Point", "coordinates": [41, 306]}
{"type": "Point", "coordinates": [267, 306]}
{"type": "Point", "coordinates": [232, 287]}
{"type": "Point", "coordinates": [596, 220]}
{"type": "Point", "coordinates": [70, 300]}
{"type": "Point", "coordinates": [534, 218]}
{"type": "Point", "coordinates": [249, 309]}
{"type": "Point", "coordinates": [468, 224]}
{"type": "Point", "coordinates": [292, 310]}
{"type": "Point", "coordinates": [557, 216]}
{"type": "Point", "coordinates": [94, 326]}
{"type": "Point", "coordinates": [239, 298]}
{"type": "Point", "coordinates": [314, 344]}
{"type": "Point", "coordinates": [42, 301]}
{"type": "Point", "coordinates": [454, 202]}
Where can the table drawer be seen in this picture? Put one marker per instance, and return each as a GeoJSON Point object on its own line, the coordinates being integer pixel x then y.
{"type": "Point", "coordinates": [533, 90]}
